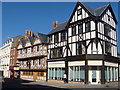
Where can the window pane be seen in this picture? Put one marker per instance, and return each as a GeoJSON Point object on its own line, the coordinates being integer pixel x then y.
{"type": "Point", "coordinates": [81, 48]}
{"type": "Point", "coordinates": [80, 28]}
{"type": "Point", "coordinates": [73, 30]}
{"type": "Point", "coordinates": [80, 11]}
{"type": "Point", "coordinates": [82, 74]}
{"type": "Point", "coordinates": [108, 47]}
{"type": "Point", "coordinates": [56, 37]}
{"type": "Point", "coordinates": [63, 36]}
{"type": "Point", "coordinates": [87, 26]}
{"type": "Point", "coordinates": [107, 30]}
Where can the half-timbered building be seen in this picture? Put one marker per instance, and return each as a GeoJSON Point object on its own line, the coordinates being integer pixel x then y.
{"type": "Point", "coordinates": [14, 67]}
{"type": "Point", "coordinates": [84, 47]}
{"type": "Point", "coordinates": [32, 55]}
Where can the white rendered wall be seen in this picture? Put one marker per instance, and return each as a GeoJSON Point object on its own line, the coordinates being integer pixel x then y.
{"type": "Point", "coordinates": [76, 63]}
{"type": "Point", "coordinates": [111, 64]}
{"type": "Point", "coordinates": [95, 62]}
{"type": "Point", "coordinates": [56, 64]}
{"type": "Point", "coordinates": [5, 58]}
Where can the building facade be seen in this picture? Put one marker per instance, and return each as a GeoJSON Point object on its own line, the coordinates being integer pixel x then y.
{"type": "Point", "coordinates": [8, 56]}
{"type": "Point", "coordinates": [5, 57]}
{"type": "Point", "coordinates": [84, 47]}
{"type": "Point", "coordinates": [14, 64]}
{"type": "Point", "coordinates": [32, 55]}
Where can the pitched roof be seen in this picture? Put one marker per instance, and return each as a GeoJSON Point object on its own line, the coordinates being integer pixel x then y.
{"type": "Point", "coordinates": [100, 10]}
{"type": "Point", "coordinates": [15, 40]}
{"type": "Point", "coordinates": [22, 41]}
{"type": "Point", "coordinates": [30, 39]}
{"type": "Point", "coordinates": [60, 27]}
{"type": "Point", "coordinates": [42, 37]}
{"type": "Point", "coordinates": [97, 11]}
{"type": "Point", "coordinates": [94, 12]}
{"type": "Point", "coordinates": [88, 8]}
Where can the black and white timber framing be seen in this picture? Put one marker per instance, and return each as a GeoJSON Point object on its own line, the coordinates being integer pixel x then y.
{"type": "Point", "coordinates": [84, 47]}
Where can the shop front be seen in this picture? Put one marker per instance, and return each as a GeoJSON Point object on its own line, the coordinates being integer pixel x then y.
{"type": "Point", "coordinates": [14, 72]}
{"type": "Point", "coordinates": [96, 71]}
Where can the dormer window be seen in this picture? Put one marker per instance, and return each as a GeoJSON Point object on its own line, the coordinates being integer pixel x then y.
{"type": "Point", "coordinates": [80, 11]}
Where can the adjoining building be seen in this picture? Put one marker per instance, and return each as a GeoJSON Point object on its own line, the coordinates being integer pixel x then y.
{"type": "Point", "coordinates": [119, 67]}
{"type": "Point", "coordinates": [14, 64]}
{"type": "Point", "coordinates": [5, 55]}
{"type": "Point", "coordinates": [84, 47]}
{"type": "Point", "coordinates": [32, 55]}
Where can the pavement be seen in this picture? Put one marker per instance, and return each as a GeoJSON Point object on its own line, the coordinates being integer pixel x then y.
{"type": "Point", "coordinates": [19, 84]}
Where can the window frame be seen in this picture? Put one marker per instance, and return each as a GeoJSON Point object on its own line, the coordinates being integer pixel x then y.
{"type": "Point", "coordinates": [107, 30]}
{"type": "Point", "coordinates": [80, 29]}
{"type": "Point", "coordinates": [63, 36]}
{"type": "Point", "coordinates": [87, 28]}
{"type": "Point", "coordinates": [80, 48]}
{"type": "Point", "coordinates": [56, 52]}
{"type": "Point", "coordinates": [79, 11]}
{"type": "Point", "coordinates": [73, 30]}
{"type": "Point", "coordinates": [56, 37]}
{"type": "Point", "coordinates": [50, 38]}
{"type": "Point", "coordinates": [107, 47]}
{"type": "Point", "coordinates": [38, 48]}
{"type": "Point", "coordinates": [108, 18]}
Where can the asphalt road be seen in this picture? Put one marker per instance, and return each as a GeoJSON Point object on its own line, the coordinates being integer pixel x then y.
{"type": "Point", "coordinates": [19, 84]}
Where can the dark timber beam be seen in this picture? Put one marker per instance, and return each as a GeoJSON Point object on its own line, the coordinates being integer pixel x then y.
{"type": "Point", "coordinates": [66, 70]}
{"type": "Point", "coordinates": [86, 71]}
{"type": "Point", "coordinates": [103, 73]}
{"type": "Point", "coordinates": [47, 71]}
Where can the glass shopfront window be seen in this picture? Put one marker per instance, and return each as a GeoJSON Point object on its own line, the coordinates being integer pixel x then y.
{"type": "Point", "coordinates": [56, 73]}
{"type": "Point", "coordinates": [108, 74]}
{"type": "Point", "coordinates": [76, 73]}
{"type": "Point", "coordinates": [111, 74]}
{"type": "Point", "coordinates": [116, 74]}
{"type": "Point", "coordinates": [82, 74]}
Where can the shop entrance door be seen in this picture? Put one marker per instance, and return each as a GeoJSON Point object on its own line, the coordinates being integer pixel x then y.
{"type": "Point", "coordinates": [93, 77]}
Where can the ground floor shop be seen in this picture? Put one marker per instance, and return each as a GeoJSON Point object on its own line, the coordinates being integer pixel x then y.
{"type": "Point", "coordinates": [34, 75]}
{"type": "Point", "coordinates": [95, 73]}
{"type": "Point", "coordinates": [6, 72]}
{"type": "Point", "coordinates": [14, 72]}
{"type": "Point", "coordinates": [33, 68]}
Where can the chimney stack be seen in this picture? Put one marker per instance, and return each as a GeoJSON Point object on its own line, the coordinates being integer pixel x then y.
{"type": "Point", "coordinates": [54, 24]}
{"type": "Point", "coordinates": [29, 33]}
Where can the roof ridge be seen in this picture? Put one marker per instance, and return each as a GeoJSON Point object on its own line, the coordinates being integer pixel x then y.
{"type": "Point", "coordinates": [60, 24]}
{"type": "Point", "coordinates": [41, 33]}
{"type": "Point", "coordinates": [101, 7]}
